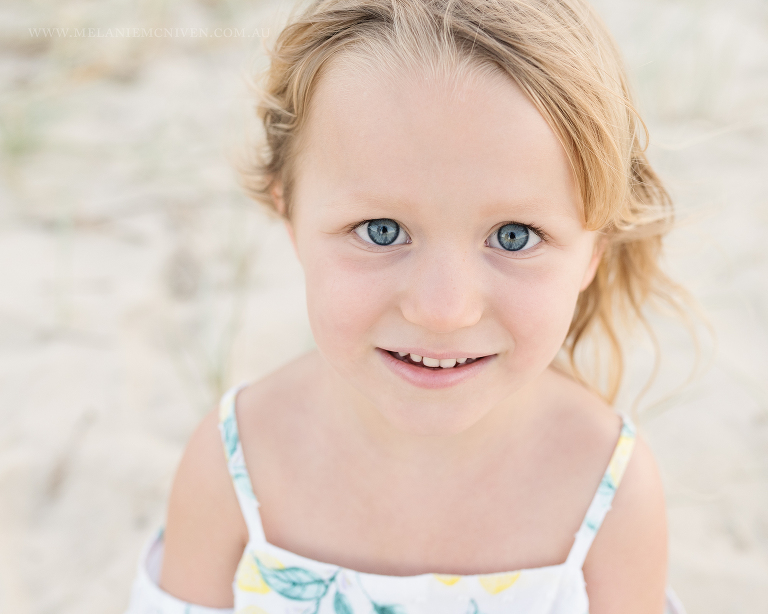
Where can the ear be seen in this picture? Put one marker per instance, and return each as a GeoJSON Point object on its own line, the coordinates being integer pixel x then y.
{"type": "Point", "coordinates": [276, 192]}
{"type": "Point", "coordinates": [601, 243]}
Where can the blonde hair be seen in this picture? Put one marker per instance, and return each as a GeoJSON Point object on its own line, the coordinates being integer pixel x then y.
{"type": "Point", "coordinates": [560, 53]}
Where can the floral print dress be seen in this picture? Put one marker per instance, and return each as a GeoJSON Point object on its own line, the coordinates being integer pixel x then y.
{"type": "Point", "coordinates": [271, 580]}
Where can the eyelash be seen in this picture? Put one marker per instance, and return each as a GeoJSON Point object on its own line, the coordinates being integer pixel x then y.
{"type": "Point", "coordinates": [537, 229]}
{"type": "Point", "coordinates": [542, 235]}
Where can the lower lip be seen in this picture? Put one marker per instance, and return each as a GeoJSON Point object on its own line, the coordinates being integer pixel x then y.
{"type": "Point", "coordinates": [424, 377]}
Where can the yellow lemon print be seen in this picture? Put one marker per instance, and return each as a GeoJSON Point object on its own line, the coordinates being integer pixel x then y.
{"type": "Point", "coordinates": [447, 580]}
{"type": "Point", "coordinates": [267, 560]}
{"type": "Point", "coordinates": [251, 609]}
{"type": "Point", "coordinates": [498, 582]}
{"type": "Point", "coordinates": [620, 458]}
{"type": "Point", "coordinates": [248, 576]}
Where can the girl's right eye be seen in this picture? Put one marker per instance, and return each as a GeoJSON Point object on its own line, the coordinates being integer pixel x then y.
{"type": "Point", "coordinates": [382, 232]}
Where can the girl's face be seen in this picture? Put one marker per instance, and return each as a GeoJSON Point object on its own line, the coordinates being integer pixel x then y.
{"type": "Point", "coordinates": [436, 218]}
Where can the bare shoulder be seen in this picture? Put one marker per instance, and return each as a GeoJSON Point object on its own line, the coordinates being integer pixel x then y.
{"type": "Point", "coordinates": [585, 427]}
{"type": "Point", "coordinates": [205, 532]}
{"type": "Point", "coordinates": [625, 569]}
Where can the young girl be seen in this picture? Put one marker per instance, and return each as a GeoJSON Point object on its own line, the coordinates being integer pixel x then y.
{"type": "Point", "coordinates": [465, 186]}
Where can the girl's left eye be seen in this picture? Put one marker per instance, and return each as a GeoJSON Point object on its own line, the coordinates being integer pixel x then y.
{"type": "Point", "coordinates": [514, 238]}
{"type": "Point", "coordinates": [382, 232]}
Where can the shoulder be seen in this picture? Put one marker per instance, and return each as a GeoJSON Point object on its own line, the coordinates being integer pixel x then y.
{"type": "Point", "coordinates": [205, 531]}
{"type": "Point", "coordinates": [584, 427]}
{"type": "Point", "coordinates": [626, 567]}
{"type": "Point", "coordinates": [203, 464]}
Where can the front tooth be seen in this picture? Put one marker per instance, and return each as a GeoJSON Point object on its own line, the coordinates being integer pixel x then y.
{"type": "Point", "coordinates": [447, 363]}
{"type": "Point", "coordinates": [461, 361]}
{"type": "Point", "coordinates": [431, 362]}
{"type": "Point", "coordinates": [401, 354]}
{"type": "Point", "coordinates": [415, 358]}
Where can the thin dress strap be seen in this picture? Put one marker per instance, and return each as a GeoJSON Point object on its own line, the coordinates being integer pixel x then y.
{"type": "Point", "coordinates": [233, 450]}
{"type": "Point", "coordinates": [601, 503]}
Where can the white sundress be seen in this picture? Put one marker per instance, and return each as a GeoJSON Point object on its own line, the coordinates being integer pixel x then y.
{"type": "Point", "coordinates": [271, 580]}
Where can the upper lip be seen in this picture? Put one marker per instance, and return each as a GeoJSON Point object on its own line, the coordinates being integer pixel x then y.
{"type": "Point", "coordinates": [439, 355]}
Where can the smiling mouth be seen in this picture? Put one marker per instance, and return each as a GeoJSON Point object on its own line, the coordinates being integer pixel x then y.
{"type": "Point", "coordinates": [433, 364]}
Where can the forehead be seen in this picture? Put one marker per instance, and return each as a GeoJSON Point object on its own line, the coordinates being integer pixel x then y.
{"type": "Point", "coordinates": [470, 140]}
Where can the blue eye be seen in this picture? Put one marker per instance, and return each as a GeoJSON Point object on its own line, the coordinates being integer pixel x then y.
{"type": "Point", "coordinates": [382, 232]}
{"type": "Point", "coordinates": [514, 238]}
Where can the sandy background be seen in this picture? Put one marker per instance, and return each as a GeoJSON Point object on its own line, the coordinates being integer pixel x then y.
{"type": "Point", "coordinates": [136, 281]}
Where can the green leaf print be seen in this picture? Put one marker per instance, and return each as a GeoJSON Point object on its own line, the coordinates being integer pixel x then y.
{"type": "Point", "coordinates": [387, 609]}
{"type": "Point", "coordinates": [472, 608]}
{"type": "Point", "coordinates": [242, 482]}
{"type": "Point", "coordinates": [229, 430]}
{"type": "Point", "coordinates": [295, 582]}
{"type": "Point", "coordinates": [341, 604]}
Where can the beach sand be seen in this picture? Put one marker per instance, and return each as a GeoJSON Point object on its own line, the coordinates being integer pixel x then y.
{"type": "Point", "coordinates": [137, 281]}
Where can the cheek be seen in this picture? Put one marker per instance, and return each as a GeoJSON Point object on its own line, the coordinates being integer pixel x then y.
{"type": "Point", "coordinates": [537, 309]}
{"type": "Point", "coordinates": [345, 300]}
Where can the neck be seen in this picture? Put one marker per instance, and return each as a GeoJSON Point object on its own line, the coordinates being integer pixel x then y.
{"type": "Point", "coordinates": [355, 421]}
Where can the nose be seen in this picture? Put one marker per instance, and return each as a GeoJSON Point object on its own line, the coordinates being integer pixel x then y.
{"type": "Point", "coordinates": [443, 292]}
